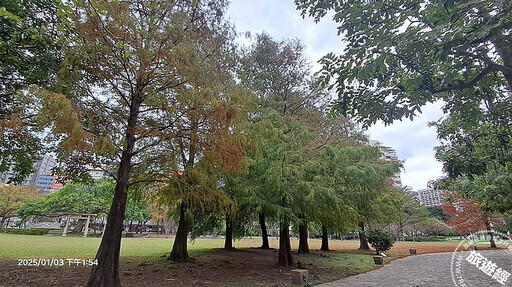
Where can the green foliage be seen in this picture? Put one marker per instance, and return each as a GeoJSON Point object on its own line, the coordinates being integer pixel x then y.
{"type": "Point", "coordinates": [276, 177]}
{"type": "Point", "coordinates": [13, 197]}
{"type": "Point", "coordinates": [426, 239]}
{"type": "Point", "coordinates": [81, 198]}
{"type": "Point", "coordinates": [406, 211]}
{"type": "Point", "coordinates": [380, 240]}
{"type": "Point", "coordinates": [72, 198]}
{"type": "Point", "coordinates": [31, 48]}
{"type": "Point", "coordinates": [437, 212]}
{"type": "Point", "coordinates": [401, 55]}
{"type": "Point", "coordinates": [478, 160]}
{"type": "Point", "coordinates": [345, 183]}
{"type": "Point", "coordinates": [24, 231]}
{"type": "Point", "coordinates": [433, 227]}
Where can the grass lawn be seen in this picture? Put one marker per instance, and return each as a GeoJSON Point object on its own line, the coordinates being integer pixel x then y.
{"type": "Point", "coordinates": [14, 246]}
{"type": "Point", "coordinates": [142, 262]}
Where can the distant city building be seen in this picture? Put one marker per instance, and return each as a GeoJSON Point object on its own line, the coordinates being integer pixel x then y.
{"type": "Point", "coordinates": [96, 172]}
{"type": "Point", "coordinates": [45, 181]}
{"type": "Point", "coordinates": [389, 154]}
{"type": "Point", "coordinates": [57, 183]}
{"type": "Point", "coordinates": [42, 166]}
{"type": "Point", "coordinates": [49, 182]}
{"type": "Point", "coordinates": [44, 178]}
{"type": "Point", "coordinates": [430, 197]}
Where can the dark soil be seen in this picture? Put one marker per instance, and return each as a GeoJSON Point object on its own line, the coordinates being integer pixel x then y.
{"type": "Point", "coordinates": [218, 267]}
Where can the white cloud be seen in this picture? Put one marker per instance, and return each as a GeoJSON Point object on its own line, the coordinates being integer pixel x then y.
{"type": "Point", "coordinates": [414, 142]}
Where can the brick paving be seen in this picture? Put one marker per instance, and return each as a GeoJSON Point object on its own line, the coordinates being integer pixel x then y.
{"type": "Point", "coordinates": [432, 270]}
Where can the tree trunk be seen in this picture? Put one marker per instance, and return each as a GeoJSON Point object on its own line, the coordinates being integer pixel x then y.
{"type": "Point", "coordinates": [285, 250]}
{"type": "Point", "coordinates": [325, 239]}
{"type": "Point", "coordinates": [489, 232]}
{"type": "Point", "coordinates": [79, 226]}
{"type": "Point", "coordinates": [503, 48]}
{"type": "Point", "coordinates": [106, 273]}
{"type": "Point", "coordinates": [303, 237]}
{"type": "Point", "coordinates": [228, 242]}
{"type": "Point", "coordinates": [179, 251]}
{"type": "Point", "coordinates": [363, 241]}
{"type": "Point", "coordinates": [264, 233]}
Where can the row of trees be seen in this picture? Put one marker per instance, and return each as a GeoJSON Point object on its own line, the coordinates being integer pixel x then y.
{"type": "Point", "coordinates": [400, 56]}
{"type": "Point", "coordinates": [213, 135]}
{"type": "Point", "coordinates": [161, 89]}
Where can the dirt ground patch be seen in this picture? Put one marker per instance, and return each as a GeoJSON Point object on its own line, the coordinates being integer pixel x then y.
{"type": "Point", "coordinates": [253, 267]}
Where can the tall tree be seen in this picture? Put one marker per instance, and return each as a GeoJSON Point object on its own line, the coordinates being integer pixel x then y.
{"type": "Point", "coordinates": [279, 73]}
{"type": "Point", "coordinates": [476, 151]}
{"type": "Point", "coordinates": [367, 185]}
{"type": "Point", "coordinates": [276, 172]}
{"type": "Point", "coordinates": [207, 143]}
{"type": "Point", "coordinates": [130, 62]}
{"type": "Point", "coordinates": [408, 212]}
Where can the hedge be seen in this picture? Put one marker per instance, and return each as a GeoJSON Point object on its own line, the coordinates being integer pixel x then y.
{"type": "Point", "coordinates": [24, 231]}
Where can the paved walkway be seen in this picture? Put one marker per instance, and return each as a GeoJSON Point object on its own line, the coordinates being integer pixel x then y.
{"type": "Point", "coordinates": [432, 270]}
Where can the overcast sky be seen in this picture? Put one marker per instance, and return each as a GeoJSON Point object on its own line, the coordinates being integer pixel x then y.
{"type": "Point", "coordinates": [413, 140]}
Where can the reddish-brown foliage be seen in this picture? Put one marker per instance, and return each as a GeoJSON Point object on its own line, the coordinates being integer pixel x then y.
{"type": "Point", "coordinates": [466, 215]}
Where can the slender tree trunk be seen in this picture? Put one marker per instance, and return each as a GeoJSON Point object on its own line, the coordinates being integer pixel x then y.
{"type": "Point", "coordinates": [264, 233]}
{"type": "Point", "coordinates": [325, 239]}
{"type": "Point", "coordinates": [285, 249]}
{"type": "Point", "coordinates": [489, 232]}
{"type": "Point", "coordinates": [363, 241]}
{"type": "Point", "coordinates": [179, 251]}
{"type": "Point", "coordinates": [303, 237]}
{"type": "Point", "coordinates": [106, 273]}
{"type": "Point", "coordinates": [228, 242]}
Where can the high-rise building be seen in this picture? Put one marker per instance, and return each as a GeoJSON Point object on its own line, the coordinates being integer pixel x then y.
{"type": "Point", "coordinates": [388, 154]}
{"type": "Point", "coordinates": [42, 166]}
{"type": "Point", "coordinates": [430, 197]}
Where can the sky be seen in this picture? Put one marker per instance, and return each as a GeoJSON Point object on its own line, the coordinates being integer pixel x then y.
{"type": "Point", "coordinates": [413, 140]}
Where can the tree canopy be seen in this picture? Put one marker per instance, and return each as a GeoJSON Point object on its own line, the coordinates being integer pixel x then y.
{"type": "Point", "coordinates": [31, 49]}
{"type": "Point", "coordinates": [401, 55]}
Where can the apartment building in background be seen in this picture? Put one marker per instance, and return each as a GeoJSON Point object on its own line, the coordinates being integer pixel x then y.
{"type": "Point", "coordinates": [388, 154]}
{"type": "Point", "coordinates": [42, 166]}
{"type": "Point", "coordinates": [429, 197]}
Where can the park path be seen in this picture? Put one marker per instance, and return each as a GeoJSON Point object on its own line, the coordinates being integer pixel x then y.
{"type": "Point", "coordinates": [430, 270]}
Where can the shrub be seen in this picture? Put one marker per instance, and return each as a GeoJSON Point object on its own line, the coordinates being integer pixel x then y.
{"type": "Point", "coordinates": [380, 240]}
{"type": "Point", "coordinates": [24, 231]}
